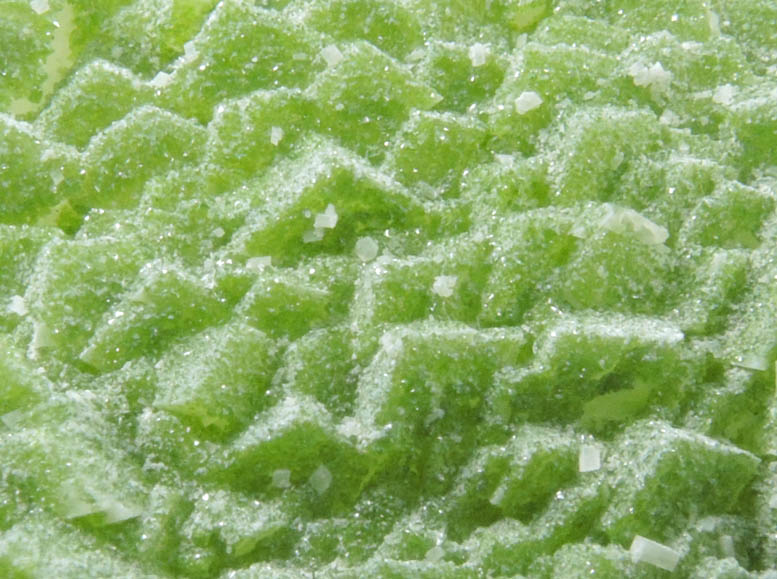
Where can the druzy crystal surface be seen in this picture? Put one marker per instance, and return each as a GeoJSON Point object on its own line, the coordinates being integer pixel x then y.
{"type": "Point", "coordinates": [388, 288]}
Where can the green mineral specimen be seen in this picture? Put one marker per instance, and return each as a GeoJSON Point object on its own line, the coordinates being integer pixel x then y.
{"type": "Point", "coordinates": [391, 288]}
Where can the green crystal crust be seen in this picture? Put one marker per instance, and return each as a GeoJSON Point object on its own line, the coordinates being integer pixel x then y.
{"type": "Point", "coordinates": [391, 288]}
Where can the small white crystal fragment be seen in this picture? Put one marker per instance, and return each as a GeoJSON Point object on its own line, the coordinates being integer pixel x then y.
{"type": "Point", "coordinates": [331, 55]}
{"type": "Point", "coordinates": [218, 232]}
{"type": "Point", "coordinates": [498, 496]}
{"type": "Point", "coordinates": [669, 118]}
{"type": "Point", "coordinates": [590, 458]}
{"type": "Point", "coordinates": [366, 249]}
{"type": "Point", "coordinates": [116, 512]}
{"type": "Point", "coordinates": [628, 222]}
{"type": "Point", "coordinates": [13, 419]}
{"type": "Point", "coordinates": [76, 507]}
{"type": "Point", "coordinates": [327, 219]}
{"type": "Point", "coordinates": [653, 77]}
{"type": "Point", "coordinates": [351, 427]}
{"type": "Point", "coordinates": [276, 134]}
{"type": "Point", "coordinates": [162, 79]}
{"type": "Point", "coordinates": [751, 362]}
{"type": "Point", "coordinates": [527, 101]}
{"type": "Point", "coordinates": [478, 54]}
{"type": "Point", "coordinates": [707, 524]}
{"type": "Point", "coordinates": [190, 51]}
{"type": "Point", "coordinates": [39, 6]}
{"type": "Point", "coordinates": [313, 235]}
{"type": "Point", "coordinates": [258, 263]}
{"type": "Point", "coordinates": [80, 502]}
{"type": "Point", "coordinates": [56, 177]}
{"type": "Point", "coordinates": [724, 94]}
{"type": "Point", "coordinates": [416, 55]}
{"type": "Point", "coordinates": [647, 551]}
{"type": "Point", "coordinates": [435, 554]}
{"type": "Point", "coordinates": [17, 306]}
{"type": "Point", "coordinates": [281, 478]}
{"type": "Point", "coordinates": [713, 20]}
{"type": "Point", "coordinates": [41, 338]}
{"type": "Point", "coordinates": [320, 479]}
{"type": "Point", "coordinates": [391, 343]}
{"type": "Point", "coordinates": [444, 285]}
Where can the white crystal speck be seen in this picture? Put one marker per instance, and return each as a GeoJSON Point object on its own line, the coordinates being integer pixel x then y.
{"type": "Point", "coordinates": [478, 54]}
{"type": "Point", "coordinates": [17, 306]}
{"type": "Point", "coordinates": [39, 6]}
{"type": "Point", "coordinates": [327, 219]}
{"type": "Point", "coordinates": [320, 479]}
{"type": "Point", "coordinates": [366, 249]}
{"type": "Point", "coordinates": [527, 101]}
{"type": "Point", "coordinates": [276, 134]}
{"type": "Point", "coordinates": [331, 55]}
{"type": "Point", "coordinates": [444, 285]}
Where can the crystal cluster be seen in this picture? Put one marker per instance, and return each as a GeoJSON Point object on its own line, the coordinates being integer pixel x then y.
{"type": "Point", "coordinates": [390, 288]}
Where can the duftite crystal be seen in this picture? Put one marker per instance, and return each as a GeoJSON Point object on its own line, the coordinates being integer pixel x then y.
{"type": "Point", "coordinates": [388, 288]}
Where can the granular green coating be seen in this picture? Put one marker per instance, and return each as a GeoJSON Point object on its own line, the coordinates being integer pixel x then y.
{"type": "Point", "coordinates": [391, 288]}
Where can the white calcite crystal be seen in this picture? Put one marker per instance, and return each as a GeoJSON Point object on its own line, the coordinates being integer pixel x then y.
{"type": "Point", "coordinates": [276, 134]}
{"type": "Point", "coordinates": [17, 306]}
{"type": "Point", "coordinates": [669, 118]}
{"type": "Point", "coordinates": [320, 479]}
{"type": "Point", "coordinates": [435, 554]}
{"type": "Point", "coordinates": [646, 551]}
{"type": "Point", "coordinates": [590, 458]}
{"type": "Point", "coordinates": [331, 54]}
{"type": "Point", "coordinates": [478, 54]}
{"type": "Point", "coordinates": [444, 285]}
{"type": "Point", "coordinates": [258, 263]}
{"type": "Point", "coordinates": [327, 219]}
{"type": "Point", "coordinates": [281, 478]}
{"type": "Point", "coordinates": [313, 235]}
{"type": "Point", "coordinates": [527, 101]}
{"type": "Point", "coordinates": [628, 222]}
{"type": "Point", "coordinates": [366, 249]}
{"type": "Point", "coordinates": [322, 222]}
{"type": "Point", "coordinates": [39, 6]}
{"type": "Point", "coordinates": [654, 77]}
{"type": "Point", "coordinates": [724, 94]}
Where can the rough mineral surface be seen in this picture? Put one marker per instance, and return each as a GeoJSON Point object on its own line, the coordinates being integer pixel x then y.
{"type": "Point", "coordinates": [388, 288]}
